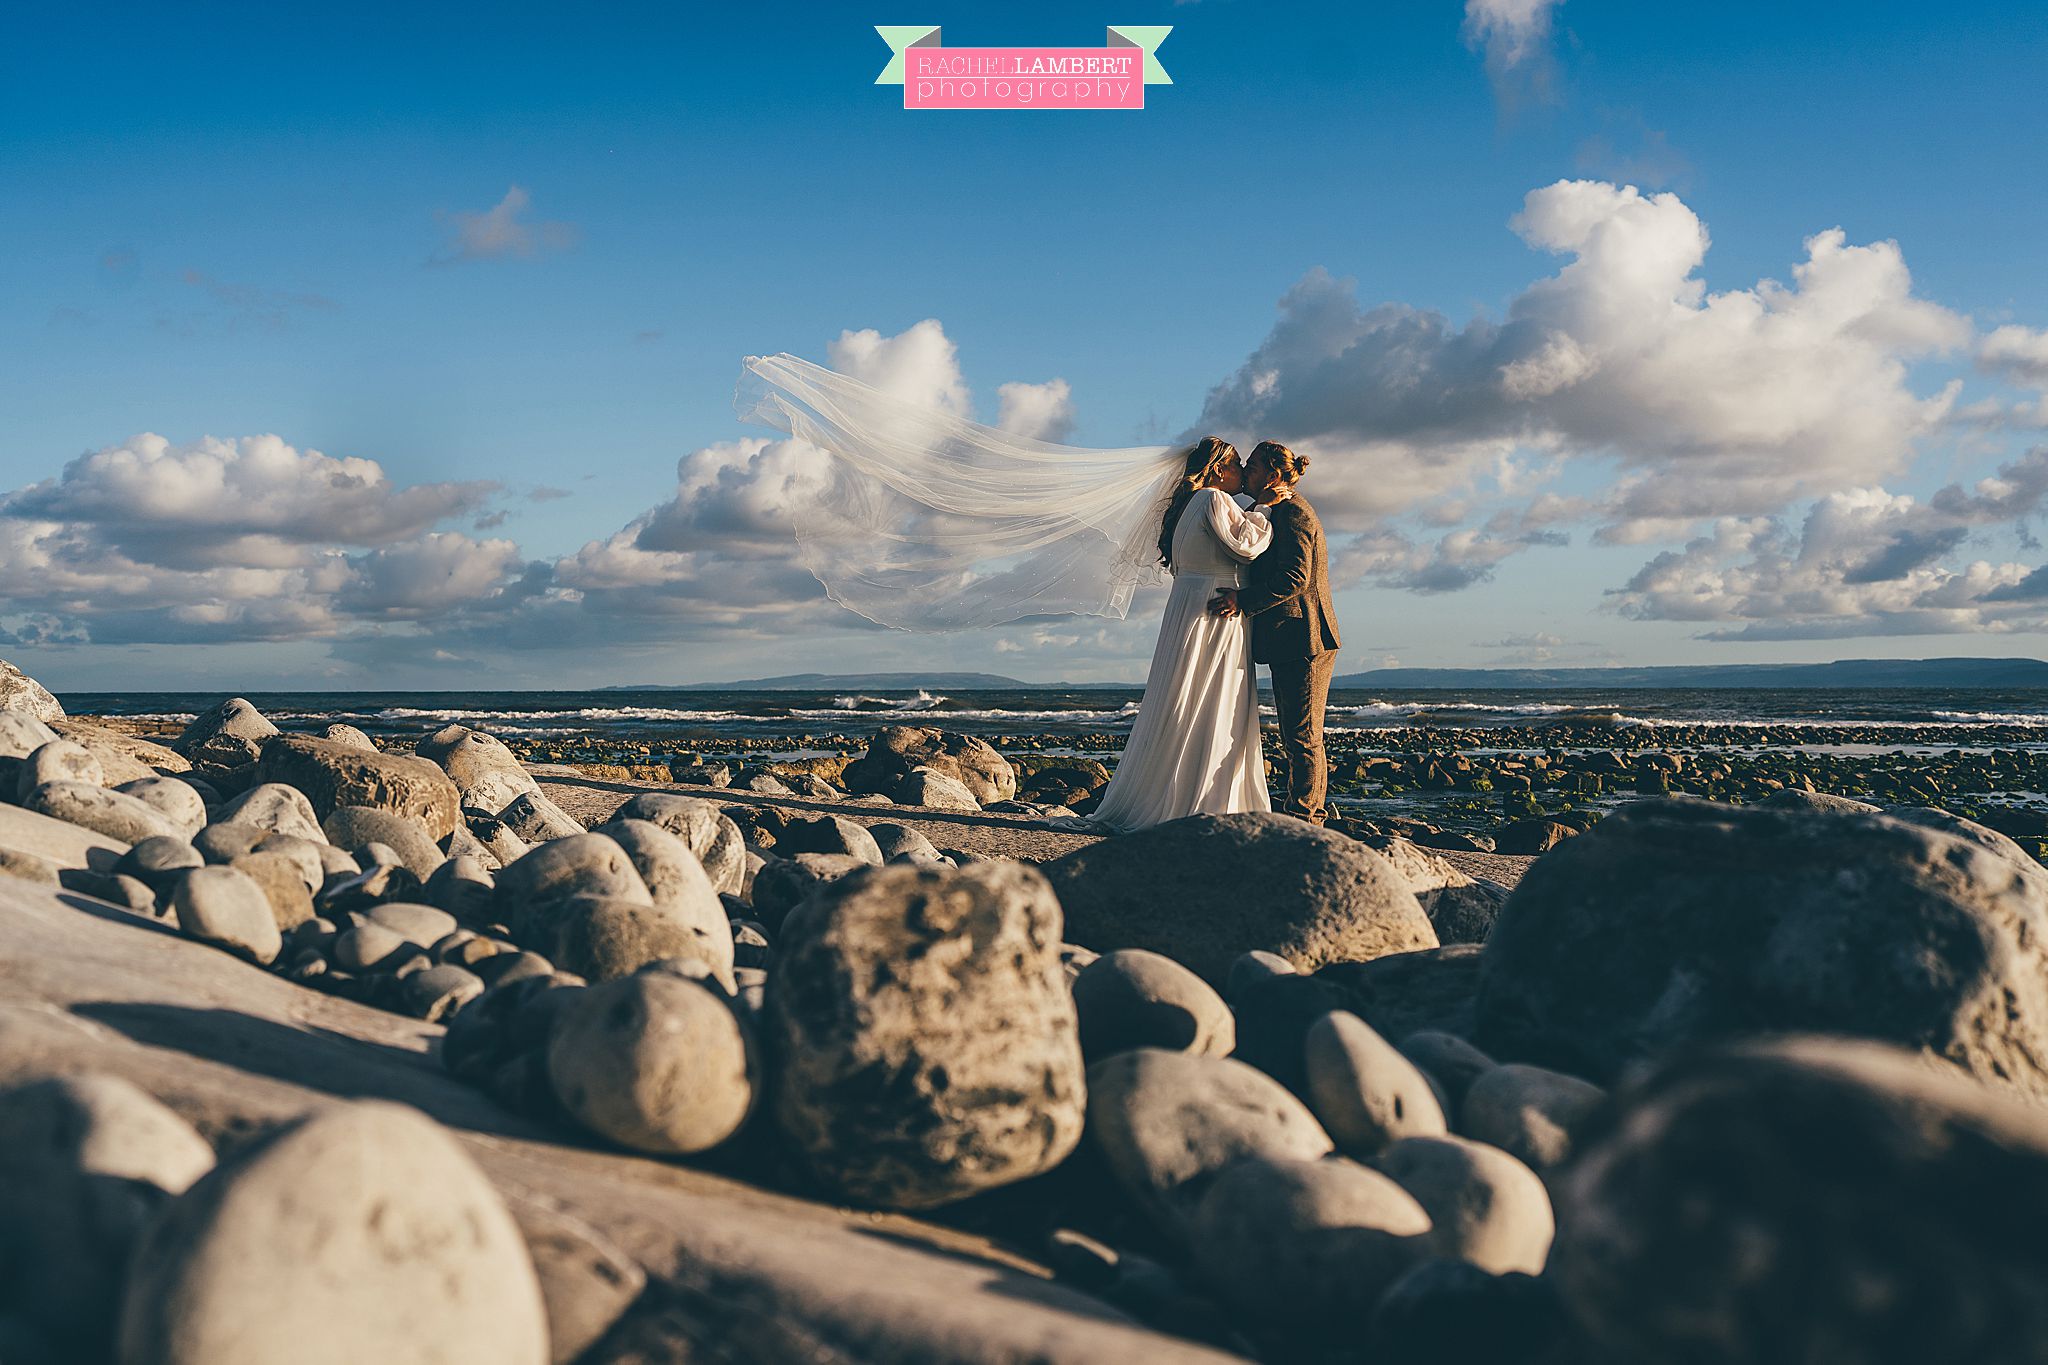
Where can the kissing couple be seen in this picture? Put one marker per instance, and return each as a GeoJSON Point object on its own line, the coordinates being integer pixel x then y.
{"type": "Point", "coordinates": [920, 519]}
{"type": "Point", "coordinates": [1251, 585]}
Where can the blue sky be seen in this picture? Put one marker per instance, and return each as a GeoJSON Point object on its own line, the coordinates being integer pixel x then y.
{"type": "Point", "coordinates": [512, 255]}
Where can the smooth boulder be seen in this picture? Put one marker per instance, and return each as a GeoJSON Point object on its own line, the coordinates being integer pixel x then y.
{"type": "Point", "coordinates": [926, 1037]}
{"type": "Point", "coordinates": [655, 1062]}
{"type": "Point", "coordinates": [335, 775]}
{"type": "Point", "coordinates": [1810, 1199]}
{"type": "Point", "coordinates": [275, 807]}
{"type": "Point", "coordinates": [1132, 998]}
{"type": "Point", "coordinates": [710, 833]}
{"type": "Point", "coordinates": [102, 810]}
{"type": "Point", "coordinates": [1209, 888]}
{"type": "Point", "coordinates": [364, 1232]}
{"type": "Point", "coordinates": [1484, 1206]}
{"type": "Point", "coordinates": [1365, 1092]}
{"type": "Point", "coordinates": [227, 735]}
{"type": "Point", "coordinates": [1680, 921]}
{"type": "Point", "coordinates": [488, 775]}
{"type": "Point", "coordinates": [227, 908]}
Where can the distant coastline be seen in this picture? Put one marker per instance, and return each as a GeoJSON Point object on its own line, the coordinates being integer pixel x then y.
{"type": "Point", "coordinates": [1963, 672]}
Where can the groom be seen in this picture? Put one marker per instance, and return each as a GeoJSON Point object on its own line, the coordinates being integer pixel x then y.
{"type": "Point", "coordinates": [1287, 596]}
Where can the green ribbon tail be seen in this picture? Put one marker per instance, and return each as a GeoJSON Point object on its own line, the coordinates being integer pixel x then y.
{"type": "Point", "coordinates": [898, 37]}
{"type": "Point", "coordinates": [1146, 37]}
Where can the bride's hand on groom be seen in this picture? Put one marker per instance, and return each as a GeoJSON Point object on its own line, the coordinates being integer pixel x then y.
{"type": "Point", "coordinates": [1224, 603]}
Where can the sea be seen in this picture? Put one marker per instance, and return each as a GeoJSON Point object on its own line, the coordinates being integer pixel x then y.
{"type": "Point", "coordinates": [668, 720]}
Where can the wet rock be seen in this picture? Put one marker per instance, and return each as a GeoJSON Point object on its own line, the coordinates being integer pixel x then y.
{"type": "Point", "coordinates": [708, 831]}
{"type": "Point", "coordinates": [1366, 1093]}
{"type": "Point", "coordinates": [84, 1162]}
{"type": "Point", "coordinates": [1166, 1123]}
{"type": "Point", "coordinates": [1297, 1244]}
{"type": "Point", "coordinates": [536, 819]}
{"type": "Point", "coordinates": [357, 826]}
{"type": "Point", "coordinates": [227, 909]}
{"type": "Point", "coordinates": [227, 735]}
{"type": "Point", "coordinates": [116, 815]}
{"type": "Point", "coordinates": [334, 776]}
{"type": "Point", "coordinates": [276, 807]}
{"type": "Point", "coordinates": [1209, 888]}
{"type": "Point", "coordinates": [897, 750]}
{"type": "Point", "coordinates": [926, 1035]}
{"type": "Point", "coordinates": [655, 1062]}
{"type": "Point", "coordinates": [1679, 921]}
{"type": "Point", "coordinates": [367, 1220]}
{"type": "Point", "coordinates": [1809, 1199]}
{"type": "Point", "coordinates": [1484, 1206]}
{"type": "Point", "coordinates": [1132, 998]}
{"type": "Point", "coordinates": [20, 692]}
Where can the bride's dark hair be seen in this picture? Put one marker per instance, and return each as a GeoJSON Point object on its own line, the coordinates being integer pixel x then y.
{"type": "Point", "coordinates": [1205, 457]}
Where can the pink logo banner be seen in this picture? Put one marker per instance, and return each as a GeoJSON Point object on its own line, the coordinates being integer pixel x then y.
{"type": "Point", "coordinates": [1023, 78]}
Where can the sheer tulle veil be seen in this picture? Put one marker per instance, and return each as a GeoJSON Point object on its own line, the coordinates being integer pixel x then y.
{"type": "Point", "coordinates": [925, 521]}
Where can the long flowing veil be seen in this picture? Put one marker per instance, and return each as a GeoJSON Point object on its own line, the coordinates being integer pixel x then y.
{"type": "Point", "coordinates": [926, 521]}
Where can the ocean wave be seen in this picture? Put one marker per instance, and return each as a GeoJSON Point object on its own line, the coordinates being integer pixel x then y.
{"type": "Point", "coordinates": [2027, 718]}
{"type": "Point", "coordinates": [1418, 708]}
{"type": "Point", "coordinates": [923, 701]}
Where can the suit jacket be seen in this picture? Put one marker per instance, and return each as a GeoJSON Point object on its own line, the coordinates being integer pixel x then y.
{"type": "Point", "coordinates": [1286, 590]}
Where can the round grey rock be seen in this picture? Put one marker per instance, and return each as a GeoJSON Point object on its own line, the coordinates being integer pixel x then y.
{"type": "Point", "coordinates": [1529, 1112]}
{"type": "Point", "coordinates": [116, 815]}
{"type": "Point", "coordinates": [1365, 1092]}
{"type": "Point", "coordinates": [655, 1062]}
{"type": "Point", "coordinates": [1485, 1206]}
{"type": "Point", "coordinates": [1132, 998]}
{"type": "Point", "coordinates": [226, 908]}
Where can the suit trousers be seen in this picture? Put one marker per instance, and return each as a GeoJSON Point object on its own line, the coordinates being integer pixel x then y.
{"type": "Point", "coordinates": [1301, 691]}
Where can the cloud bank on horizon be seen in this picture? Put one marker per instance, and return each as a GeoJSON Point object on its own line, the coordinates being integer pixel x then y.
{"type": "Point", "coordinates": [1754, 428]}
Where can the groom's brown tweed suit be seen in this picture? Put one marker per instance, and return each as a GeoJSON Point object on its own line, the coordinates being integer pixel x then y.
{"type": "Point", "coordinates": [1287, 596]}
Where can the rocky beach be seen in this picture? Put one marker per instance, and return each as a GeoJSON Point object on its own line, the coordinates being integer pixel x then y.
{"type": "Point", "coordinates": [332, 1034]}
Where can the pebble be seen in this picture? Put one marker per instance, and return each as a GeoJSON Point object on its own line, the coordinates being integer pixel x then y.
{"type": "Point", "coordinates": [372, 948]}
{"type": "Point", "coordinates": [226, 908]}
{"type": "Point", "coordinates": [1133, 998]}
{"type": "Point", "coordinates": [223, 841]}
{"type": "Point", "coordinates": [159, 860]}
{"type": "Point", "coordinates": [1365, 1092]}
{"type": "Point", "coordinates": [304, 855]}
{"type": "Point", "coordinates": [283, 884]}
{"type": "Point", "coordinates": [1529, 1112]}
{"type": "Point", "coordinates": [1299, 1244]}
{"type": "Point", "coordinates": [1167, 1120]}
{"type": "Point", "coordinates": [1486, 1207]}
{"type": "Point", "coordinates": [434, 993]}
{"type": "Point", "coordinates": [464, 887]}
{"type": "Point", "coordinates": [654, 1062]}
{"type": "Point", "coordinates": [421, 925]}
{"type": "Point", "coordinates": [363, 1233]}
{"type": "Point", "coordinates": [581, 865]}
{"type": "Point", "coordinates": [356, 826]}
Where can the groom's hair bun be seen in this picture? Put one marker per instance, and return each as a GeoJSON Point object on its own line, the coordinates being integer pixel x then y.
{"type": "Point", "coordinates": [1282, 461]}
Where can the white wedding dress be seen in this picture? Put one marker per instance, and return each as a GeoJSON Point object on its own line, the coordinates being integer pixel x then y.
{"type": "Point", "coordinates": [1194, 748]}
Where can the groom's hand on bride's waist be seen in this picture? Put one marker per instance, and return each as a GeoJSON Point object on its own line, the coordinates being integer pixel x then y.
{"type": "Point", "coordinates": [1224, 603]}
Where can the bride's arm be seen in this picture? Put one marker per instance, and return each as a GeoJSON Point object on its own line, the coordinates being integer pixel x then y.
{"type": "Point", "coordinates": [1244, 535]}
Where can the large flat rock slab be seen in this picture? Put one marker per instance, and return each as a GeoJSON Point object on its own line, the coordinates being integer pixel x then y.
{"type": "Point", "coordinates": [736, 1271]}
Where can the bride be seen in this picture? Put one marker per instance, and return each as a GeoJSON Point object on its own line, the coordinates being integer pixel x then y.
{"type": "Point", "coordinates": [922, 520]}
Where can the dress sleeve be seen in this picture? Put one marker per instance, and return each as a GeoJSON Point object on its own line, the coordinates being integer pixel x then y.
{"type": "Point", "coordinates": [1244, 535]}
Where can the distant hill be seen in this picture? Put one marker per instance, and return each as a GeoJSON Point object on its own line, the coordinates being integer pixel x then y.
{"type": "Point", "coordinates": [1994, 673]}
{"type": "Point", "coordinates": [832, 682]}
